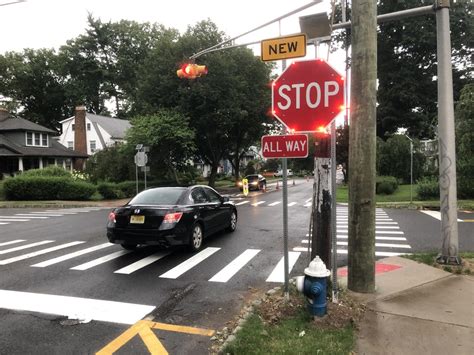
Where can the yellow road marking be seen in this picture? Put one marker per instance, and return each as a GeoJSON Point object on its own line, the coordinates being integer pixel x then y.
{"type": "Point", "coordinates": [144, 329]}
{"type": "Point", "coordinates": [468, 220]}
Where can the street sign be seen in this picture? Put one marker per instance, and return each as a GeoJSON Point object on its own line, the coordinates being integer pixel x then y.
{"type": "Point", "coordinates": [283, 47]}
{"type": "Point", "coordinates": [308, 95]}
{"type": "Point", "coordinates": [287, 146]}
{"type": "Point", "coordinates": [141, 159]}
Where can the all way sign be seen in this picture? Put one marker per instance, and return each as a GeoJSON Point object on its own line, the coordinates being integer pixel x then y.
{"type": "Point", "coordinates": [288, 146]}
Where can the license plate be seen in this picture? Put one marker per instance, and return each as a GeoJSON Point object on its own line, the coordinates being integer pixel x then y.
{"type": "Point", "coordinates": [137, 219]}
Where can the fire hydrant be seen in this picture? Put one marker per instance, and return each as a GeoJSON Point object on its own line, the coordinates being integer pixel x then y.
{"type": "Point", "coordinates": [313, 286]}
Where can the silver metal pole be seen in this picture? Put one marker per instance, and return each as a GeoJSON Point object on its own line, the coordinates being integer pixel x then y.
{"type": "Point", "coordinates": [447, 153]}
{"type": "Point", "coordinates": [393, 16]}
{"type": "Point", "coordinates": [333, 212]}
{"type": "Point", "coordinates": [411, 171]}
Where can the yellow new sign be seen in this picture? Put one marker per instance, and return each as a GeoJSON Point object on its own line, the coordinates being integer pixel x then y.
{"type": "Point", "coordinates": [283, 47]}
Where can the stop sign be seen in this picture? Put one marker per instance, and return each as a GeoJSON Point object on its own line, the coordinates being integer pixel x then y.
{"type": "Point", "coordinates": [308, 95]}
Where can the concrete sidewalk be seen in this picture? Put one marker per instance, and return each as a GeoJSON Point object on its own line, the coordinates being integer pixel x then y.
{"type": "Point", "coordinates": [417, 309]}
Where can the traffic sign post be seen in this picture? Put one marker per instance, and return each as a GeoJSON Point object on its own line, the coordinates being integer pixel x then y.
{"type": "Point", "coordinates": [308, 95]}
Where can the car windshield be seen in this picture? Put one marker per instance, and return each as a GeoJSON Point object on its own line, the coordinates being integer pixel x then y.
{"type": "Point", "coordinates": [159, 196]}
{"type": "Point", "coordinates": [252, 177]}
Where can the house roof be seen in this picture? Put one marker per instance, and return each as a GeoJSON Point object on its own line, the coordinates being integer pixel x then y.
{"type": "Point", "coordinates": [10, 148]}
{"type": "Point", "coordinates": [114, 126]}
{"type": "Point", "coordinates": [20, 124]}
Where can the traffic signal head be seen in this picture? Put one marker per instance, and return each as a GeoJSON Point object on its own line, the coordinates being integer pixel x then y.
{"type": "Point", "coordinates": [191, 71]}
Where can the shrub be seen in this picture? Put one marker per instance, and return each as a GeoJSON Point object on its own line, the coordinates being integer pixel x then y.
{"type": "Point", "coordinates": [47, 188]}
{"type": "Point", "coordinates": [386, 185]}
{"type": "Point", "coordinates": [428, 189]}
{"type": "Point", "coordinates": [51, 170]}
{"type": "Point", "coordinates": [110, 190]}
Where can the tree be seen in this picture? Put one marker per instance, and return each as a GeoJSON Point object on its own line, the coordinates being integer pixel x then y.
{"type": "Point", "coordinates": [113, 164]}
{"type": "Point", "coordinates": [407, 66]}
{"type": "Point", "coordinates": [393, 158]}
{"type": "Point", "coordinates": [31, 79]}
{"type": "Point", "coordinates": [170, 139]}
{"type": "Point", "coordinates": [227, 107]}
{"type": "Point", "coordinates": [465, 142]}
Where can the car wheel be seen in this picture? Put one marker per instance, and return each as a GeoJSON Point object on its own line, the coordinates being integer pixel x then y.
{"type": "Point", "coordinates": [195, 240]}
{"type": "Point", "coordinates": [233, 222]}
{"type": "Point", "coordinates": [129, 246]}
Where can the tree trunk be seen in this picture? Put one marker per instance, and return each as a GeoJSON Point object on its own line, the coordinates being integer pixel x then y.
{"type": "Point", "coordinates": [212, 177]}
{"type": "Point", "coordinates": [362, 148]}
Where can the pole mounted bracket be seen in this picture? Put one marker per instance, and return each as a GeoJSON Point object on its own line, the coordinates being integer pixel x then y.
{"type": "Point", "coordinates": [439, 4]}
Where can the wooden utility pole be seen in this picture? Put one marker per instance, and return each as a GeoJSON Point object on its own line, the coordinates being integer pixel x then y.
{"type": "Point", "coordinates": [362, 149]}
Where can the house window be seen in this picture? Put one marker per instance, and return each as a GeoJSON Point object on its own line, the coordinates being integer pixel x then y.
{"type": "Point", "coordinates": [92, 146]}
{"type": "Point", "coordinates": [44, 140]}
{"type": "Point", "coordinates": [29, 138]}
{"type": "Point", "coordinates": [88, 126]}
{"type": "Point", "coordinates": [73, 126]}
{"type": "Point", "coordinates": [70, 145]}
{"type": "Point", "coordinates": [37, 139]}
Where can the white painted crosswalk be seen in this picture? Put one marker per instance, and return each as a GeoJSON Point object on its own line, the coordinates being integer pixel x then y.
{"type": "Point", "coordinates": [81, 256]}
{"type": "Point", "coordinates": [25, 217]}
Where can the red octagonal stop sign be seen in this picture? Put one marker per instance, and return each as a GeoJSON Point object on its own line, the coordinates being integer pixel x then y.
{"type": "Point", "coordinates": [308, 95]}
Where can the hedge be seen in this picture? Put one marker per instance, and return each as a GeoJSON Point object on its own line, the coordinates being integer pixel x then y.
{"type": "Point", "coordinates": [386, 185]}
{"type": "Point", "coordinates": [47, 188]}
{"type": "Point", "coordinates": [428, 189]}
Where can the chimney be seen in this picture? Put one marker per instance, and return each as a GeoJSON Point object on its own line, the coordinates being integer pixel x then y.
{"type": "Point", "coordinates": [80, 140]}
{"type": "Point", "coordinates": [4, 114]}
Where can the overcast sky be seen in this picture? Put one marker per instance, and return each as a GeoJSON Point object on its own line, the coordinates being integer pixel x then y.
{"type": "Point", "coordinates": [50, 23]}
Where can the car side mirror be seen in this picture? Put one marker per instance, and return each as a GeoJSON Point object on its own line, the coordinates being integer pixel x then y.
{"type": "Point", "coordinates": [225, 199]}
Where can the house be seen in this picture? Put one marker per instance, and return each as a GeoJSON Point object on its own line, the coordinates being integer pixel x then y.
{"type": "Point", "coordinates": [26, 145]}
{"type": "Point", "coordinates": [98, 131]}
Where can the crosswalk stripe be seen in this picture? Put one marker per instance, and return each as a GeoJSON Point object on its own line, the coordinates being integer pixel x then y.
{"type": "Point", "coordinates": [141, 263]}
{"type": "Point", "coordinates": [32, 245]}
{"type": "Point", "coordinates": [49, 214]}
{"type": "Point", "coordinates": [257, 203]}
{"type": "Point", "coordinates": [12, 242]}
{"type": "Point", "coordinates": [377, 253]}
{"type": "Point", "coordinates": [31, 216]}
{"type": "Point", "coordinates": [13, 220]}
{"type": "Point", "coordinates": [39, 252]}
{"type": "Point", "coordinates": [101, 260]}
{"type": "Point", "coordinates": [278, 273]}
{"type": "Point", "coordinates": [38, 215]}
{"type": "Point", "coordinates": [242, 203]}
{"type": "Point", "coordinates": [343, 251]}
{"type": "Point", "coordinates": [4, 223]}
{"type": "Point", "coordinates": [234, 266]}
{"type": "Point", "coordinates": [189, 263]}
{"type": "Point", "coordinates": [345, 231]}
{"type": "Point", "coordinates": [292, 204]}
{"type": "Point", "coordinates": [383, 245]}
{"type": "Point", "coordinates": [274, 203]}
{"type": "Point", "coordinates": [309, 200]}
{"type": "Point", "coordinates": [71, 255]}
{"type": "Point", "coordinates": [340, 236]}
{"type": "Point", "coordinates": [74, 307]}
{"type": "Point", "coordinates": [436, 215]}
{"type": "Point", "coordinates": [307, 204]}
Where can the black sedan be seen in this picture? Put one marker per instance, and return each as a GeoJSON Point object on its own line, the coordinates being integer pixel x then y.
{"type": "Point", "coordinates": [169, 216]}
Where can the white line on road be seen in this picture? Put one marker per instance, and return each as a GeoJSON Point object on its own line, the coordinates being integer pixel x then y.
{"type": "Point", "coordinates": [383, 245]}
{"type": "Point", "coordinates": [234, 266]}
{"type": "Point", "coordinates": [72, 255]}
{"type": "Point", "coordinates": [74, 307]}
{"type": "Point", "coordinates": [343, 251]}
{"type": "Point", "coordinates": [376, 232]}
{"type": "Point", "coordinates": [278, 273]}
{"type": "Point", "coordinates": [4, 223]}
{"type": "Point", "coordinates": [12, 242]}
{"type": "Point", "coordinates": [307, 204]}
{"type": "Point", "coordinates": [30, 216]}
{"type": "Point", "coordinates": [13, 220]}
{"type": "Point", "coordinates": [257, 203]}
{"type": "Point", "coordinates": [292, 204]}
{"type": "Point", "coordinates": [189, 264]}
{"type": "Point", "coordinates": [242, 203]}
{"type": "Point", "coordinates": [436, 214]}
{"type": "Point", "coordinates": [141, 263]}
{"type": "Point", "coordinates": [274, 203]}
{"type": "Point", "coordinates": [39, 252]}
{"type": "Point", "coordinates": [101, 260]}
{"type": "Point", "coordinates": [32, 245]}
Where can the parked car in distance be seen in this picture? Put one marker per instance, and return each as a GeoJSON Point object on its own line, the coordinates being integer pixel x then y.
{"type": "Point", "coordinates": [256, 182]}
{"type": "Point", "coordinates": [169, 216]}
{"type": "Point", "coordinates": [279, 173]}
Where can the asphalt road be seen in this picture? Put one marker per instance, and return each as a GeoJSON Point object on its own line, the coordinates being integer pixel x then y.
{"type": "Point", "coordinates": [73, 261]}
